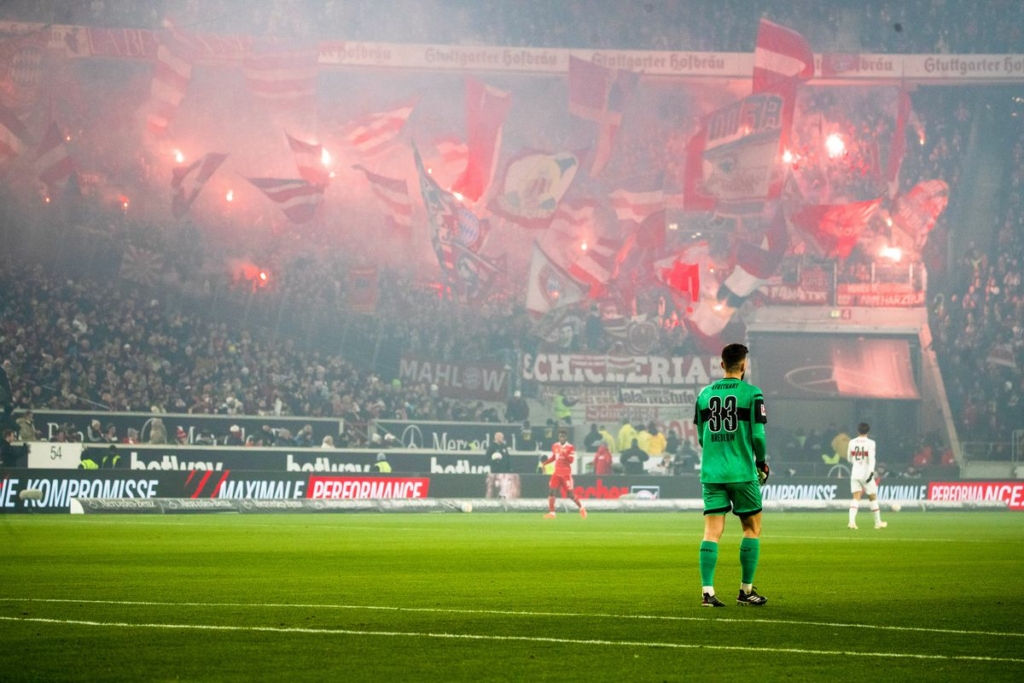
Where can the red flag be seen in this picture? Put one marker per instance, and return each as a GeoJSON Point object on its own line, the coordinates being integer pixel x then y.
{"type": "Point", "coordinates": [781, 54]}
{"type": "Point", "coordinates": [486, 109]}
{"type": "Point", "coordinates": [376, 133]}
{"type": "Point", "coordinates": [298, 198]}
{"type": "Point", "coordinates": [282, 74]}
{"type": "Point", "coordinates": [188, 181]}
{"type": "Point", "coordinates": [392, 195]}
{"type": "Point", "coordinates": [681, 272]}
{"type": "Point", "coordinates": [363, 290]}
{"type": "Point", "coordinates": [598, 94]}
{"type": "Point", "coordinates": [13, 134]}
{"type": "Point", "coordinates": [899, 143]}
{"type": "Point", "coordinates": [309, 160]}
{"type": "Point", "coordinates": [172, 72]}
{"type": "Point", "coordinates": [835, 228]}
{"type": "Point", "coordinates": [54, 164]}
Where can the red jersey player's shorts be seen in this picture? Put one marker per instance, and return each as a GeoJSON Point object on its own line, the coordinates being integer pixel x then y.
{"type": "Point", "coordinates": [562, 482]}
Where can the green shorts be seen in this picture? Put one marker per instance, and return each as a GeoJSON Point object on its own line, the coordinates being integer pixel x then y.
{"type": "Point", "coordinates": [742, 497]}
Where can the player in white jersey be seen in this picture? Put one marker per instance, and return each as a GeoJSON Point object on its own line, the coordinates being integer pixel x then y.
{"type": "Point", "coordinates": [861, 454]}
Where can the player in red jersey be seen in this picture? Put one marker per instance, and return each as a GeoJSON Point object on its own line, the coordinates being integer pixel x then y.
{"type": "Point", "coordinates": [562, 454]}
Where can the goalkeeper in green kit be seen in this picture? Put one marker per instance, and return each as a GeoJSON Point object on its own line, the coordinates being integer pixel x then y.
{"type": "Point", "coordinates": [730, 418]}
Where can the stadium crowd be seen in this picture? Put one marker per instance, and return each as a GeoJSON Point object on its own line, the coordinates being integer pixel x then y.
{"type": "Point", "coordinates": [873, 26]}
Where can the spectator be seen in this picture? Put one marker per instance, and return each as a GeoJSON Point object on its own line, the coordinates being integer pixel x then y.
{"type": "Point", "coordinates": [603, 460]}
{"type": "Point", "coordinates": [234, 437]}
{"type": "Point", "coordinates": [26, 427]}
{"type": "Point", "coordinates": [592, 439]}
{"type": "Point", "coordinates": [633, 458]}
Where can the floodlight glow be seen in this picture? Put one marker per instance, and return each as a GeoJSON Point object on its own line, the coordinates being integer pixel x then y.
{"type": "Point", "coordinates": [178, 156]}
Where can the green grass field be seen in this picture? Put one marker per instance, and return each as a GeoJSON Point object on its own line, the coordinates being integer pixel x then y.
{"type": "Point", "coordinates": [506, 597]}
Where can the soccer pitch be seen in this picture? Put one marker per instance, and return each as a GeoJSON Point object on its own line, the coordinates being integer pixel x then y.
{"type": "Point", "coordinates": [506, 597]}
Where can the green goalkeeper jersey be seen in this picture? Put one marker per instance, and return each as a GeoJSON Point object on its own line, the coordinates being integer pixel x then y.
{"type": "Point", "coordinates": [730, 418]}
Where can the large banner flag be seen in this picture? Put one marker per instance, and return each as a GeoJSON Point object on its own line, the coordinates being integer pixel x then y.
{"type": "Point", "coordinates": [486, 109]}
{"type": "Point", "coordinates": [918, 209]}
{"type": "Point", "coordinates": [298, 198]}
{"type": "Point", "coordinates": [188, 181]}
{"type": "Point", "coordinates": [172, 72]}
{"type": "Point", "coordinates": [641, 213]}
{"type": "Point", "coordinates": [835, 228]}
{"type": "Point", "coordinates": [755, 264]}
{"type": "Point", "coordinates": [392, 195]}
{"type": "Point", "coordinates": [53, 163]}
{"type": "Point", "coordinates": [282, 74]}
{"type": "Point", "coordinates": [780, 54]}
{"type": "Point", "coordinates": [374, 134]}
{"type": "Point", "coordinates": [736, 156]}
{"type": "Point", "coordinates": [598, 94]}
{"type": "Point", "coordinates": [21, 67]}
{"type": "Point", "coordinates": [309, 160]}
{"type": "Point", "coordinates": [533, 185]}
{"type": "Point", "coordinates": [548, 286]}
{"type": "Point", "coordinates": [13, 135]}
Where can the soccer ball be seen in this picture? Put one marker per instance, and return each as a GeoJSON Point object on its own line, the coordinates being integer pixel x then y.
{"type": "Point", "coordinates": [895, 507]}
{"type": "Point", "coordinates": [467, 507]}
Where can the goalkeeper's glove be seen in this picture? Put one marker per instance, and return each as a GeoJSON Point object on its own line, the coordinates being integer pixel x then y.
{"type": "Point", "coordinates": [762, 472]}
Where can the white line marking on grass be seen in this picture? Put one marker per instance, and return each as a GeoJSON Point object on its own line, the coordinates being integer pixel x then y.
{"type": "Point", "coordinates": [518, 613]}
{"type": "Point", "coordinates": [528, 639]}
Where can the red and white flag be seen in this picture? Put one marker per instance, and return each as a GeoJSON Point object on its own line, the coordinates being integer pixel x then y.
{"type": "Point", "coordinates": [392, 195]}
{"type": "Point", "coordinates": [374, 134]}
{"type": "Point", "coordinates": [682, 271]}
{"type": "Point", "coordinates": [548, 286]}
{"type": "Point", "coordinates": [282, 74]}
{"type": "Point", "coordinates": [298, 198]}
{"type": "Point", "coordinates": [309, 160]}
{"type": "Point", "coordinates": [641, 214]}
{"type": "Point", "coordinates": [188, 181]}
{"type": "Point", "coordinates": [919, 209]}
{"type": "Point", "coordinates": [598, 94]}
{"type": "Point", "coordinates": [172, 72]}
{"type": "Point", "coordinates": [780, 54]}
{"type": "Point", "coordinates": [755, 264]}
{"type": "Point", "coordinates": [600, 263]}
{"type": "Point", "coordinates": [54, 165]}
{"type": "Point", "coordinates": [486, 109]}
{"type": "Point", "coordinates": [576, 213]}
{"type": "Point", "coordinates": [13, 135]}
{"type": "Point", "coordinates": [141, 265]}
{"type": "Point", "coordinates": [735, 156]}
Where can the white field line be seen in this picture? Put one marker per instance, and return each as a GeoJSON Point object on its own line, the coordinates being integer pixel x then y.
{"type": "Point", "coordinates": [517, 613]}
{"type": "Point", "coordinates": [528, 639]}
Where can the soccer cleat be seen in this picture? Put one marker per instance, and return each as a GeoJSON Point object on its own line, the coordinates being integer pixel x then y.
{"type": "Point", "coordinates": [852, 526]}
{"type": "Point", "coordinates": [751, 598]}
{"type": "Point", "coordinates": [711, 601]}
{"type": "Point", "coordinates": [550, 515]}
{"type": "Point", "coordinates": [881, 525]}
{"type": "Point", "coordinates": [583, 513]}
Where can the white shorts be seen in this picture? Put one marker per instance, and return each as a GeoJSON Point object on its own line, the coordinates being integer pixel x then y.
{"type": "Point", "coordinates": [868, 486]}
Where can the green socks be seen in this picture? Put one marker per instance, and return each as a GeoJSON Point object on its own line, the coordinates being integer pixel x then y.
{"type": "Point", "coordinates": [750, 550]}
{"type": "Point", "coordinates": [708, 560]}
